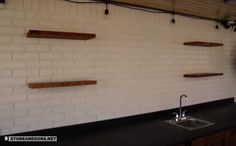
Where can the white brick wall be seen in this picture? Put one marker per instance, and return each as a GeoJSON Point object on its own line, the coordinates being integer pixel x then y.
{"type": "Point", "coordinates": [138, 59]}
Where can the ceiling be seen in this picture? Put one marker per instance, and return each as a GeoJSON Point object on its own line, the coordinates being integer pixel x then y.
{"type": "Point", "coordinates": [210, 9]}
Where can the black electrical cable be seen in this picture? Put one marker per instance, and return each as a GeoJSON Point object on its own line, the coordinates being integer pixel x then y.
{"type": "Point", "coordinates": [141, 8]}
{"type": "Point", "coordinates": [120, 5]}
{"type": "Point", "coordinates": [91, 2]}
{"type": "Point", "coordinates": [136, 8]}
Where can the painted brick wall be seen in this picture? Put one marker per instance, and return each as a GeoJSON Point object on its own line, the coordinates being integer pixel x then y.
{"type": "Point", "coordinates": [138, 59]}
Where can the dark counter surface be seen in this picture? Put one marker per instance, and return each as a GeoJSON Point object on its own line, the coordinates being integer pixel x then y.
{"type": "Point", "coordinates": [145, 130]}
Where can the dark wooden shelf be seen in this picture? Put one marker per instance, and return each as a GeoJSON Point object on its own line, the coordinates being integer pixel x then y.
{"type": "Point", "coordinates": [203, 44]}
{"type": "Point", "coordinates": [59, 35]}
{"type": "Point", "coordinates": [61, 84]}
{"type": "Point", "coordinates": [200, 75]}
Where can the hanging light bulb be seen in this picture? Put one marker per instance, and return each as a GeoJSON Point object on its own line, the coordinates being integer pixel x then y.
{"type": "Point", "coordinates": [217, 25]}
{"type": "Point", "coordinates": [173, 18]}
{"type": "Point", "coordinates": [107, 10]}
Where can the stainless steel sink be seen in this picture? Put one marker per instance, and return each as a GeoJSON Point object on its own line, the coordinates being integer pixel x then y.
{"type": "Point", "coordinates": [190, 123]}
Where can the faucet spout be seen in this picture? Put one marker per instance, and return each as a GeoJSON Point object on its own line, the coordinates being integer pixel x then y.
{"type": "Point", "coordinates": [180, 105]}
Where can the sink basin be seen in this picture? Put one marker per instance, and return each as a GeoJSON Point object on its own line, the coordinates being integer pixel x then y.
{"type": "Point", "coordinates": [191, 123]}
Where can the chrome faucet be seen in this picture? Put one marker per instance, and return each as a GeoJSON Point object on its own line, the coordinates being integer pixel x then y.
{"type": "Point", "coordinates": [181, 115]}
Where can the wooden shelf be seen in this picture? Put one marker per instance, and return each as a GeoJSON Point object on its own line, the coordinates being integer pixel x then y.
{"type": "Point", "coordinates": [203, 44]}
{"type": "Point", "coordinates": [200, 75]}
{"type": "Point", "coordinates": [61, 84]}
{"type": "Point", "coordinates": [59, 35]}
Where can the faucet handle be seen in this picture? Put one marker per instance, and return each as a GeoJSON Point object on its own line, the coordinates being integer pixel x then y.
{"type": "Point", "coordinates": [184, 114]}
{"type": "Point", "coordinates": [176, 116]}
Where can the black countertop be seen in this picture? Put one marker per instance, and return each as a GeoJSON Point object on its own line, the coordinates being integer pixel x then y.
{"type": "Point", "coordinates": [149, 131]}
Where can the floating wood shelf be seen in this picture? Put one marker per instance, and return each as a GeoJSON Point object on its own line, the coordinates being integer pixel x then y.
{"type": "Point", "coordinates": [61, 84]}
{"type": "Point", "coordinates": [59, 35]}
{"type": "Point", "coordinates": [203, 44]}
{"type": "Point", "coordinates": [200, 75]}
